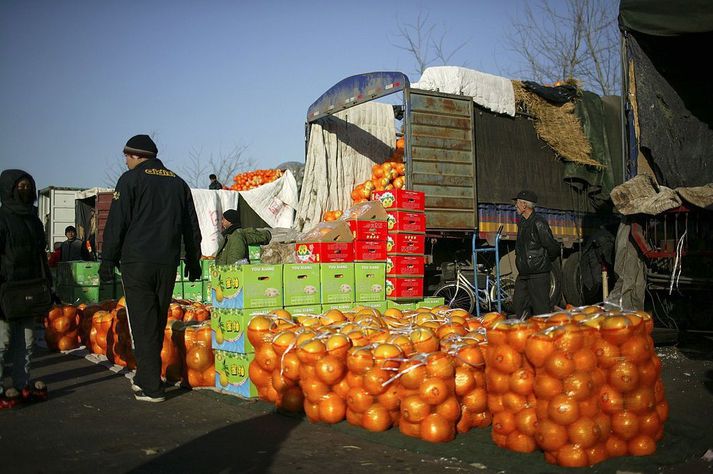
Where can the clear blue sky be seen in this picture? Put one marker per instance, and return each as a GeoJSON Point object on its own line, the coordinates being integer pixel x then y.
{"type": "Point", "coordinates": [78, 78]}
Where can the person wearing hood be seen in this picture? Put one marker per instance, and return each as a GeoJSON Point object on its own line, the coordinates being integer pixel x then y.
{"type": "Point", "coordinates": [236, 240]}
{"type": "Point", "coordinates": [151, 213]}
{"type": "Point", "coordinates": [22, 257]}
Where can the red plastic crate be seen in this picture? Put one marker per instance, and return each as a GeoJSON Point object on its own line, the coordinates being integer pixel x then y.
{"type": "Point", "coordinates": [404, 287]}
{"type": "Point", "coordinates": [401, 199]}
{"type": "Point", "coordinates": [369, 251]}
{"type": "Point", "coordinates": [406, 221]}
{"type": "Point", "coordinates": [406, 243]}
{"type": "Point", "coordinates": [412, 265]}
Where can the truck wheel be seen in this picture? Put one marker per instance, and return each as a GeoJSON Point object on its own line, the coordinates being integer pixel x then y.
{"type": "Point", "coordinates": [456, 297]}
{"type": "Point", "coordinates": [507, 290]}
{"type": "Point", "coordinates": [572, 290]}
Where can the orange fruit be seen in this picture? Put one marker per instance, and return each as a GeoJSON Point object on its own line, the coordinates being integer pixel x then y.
{"type": "Point", "coordinates": [585, 432]}
{"type": "Point", "coordinates": [436, 429]}
{"type": "Point", "coordinates": [610, 400]}
{"type": "Point", "coordinates": [506, 359]}
{"type": "Point", "coordinates": [572, 455]}
{"type": "Point", "coordinates": [563, 409]}
{"type": "Point", "coordinates": [650, 423]}
{"type": "Point", "coordinates": [526, 421]}
{"type": "Point", "coordinates": [641, 445]}
{"type": "Point", "coordinates": [522, 382]}
{"type": "Point", "coordinates": [520, 442]}
{"type": "Point", "coordinates": [615, 446]}
{"type": "Point", "coordinates": [359, 400]}
{"type": "Point", "coordinates": [546, 386]}
{"type": "Point", "coordinates": [433, 390]}
{"type": "Point", "coordinates": [450, 409]}
{"type": "Point", "coordinates": [560, 364]}
{"type": "Point", "coordinates": [625, 424]}
{"type": "Point", "coordinates": [476, 401]}
{"type": "Point", "coordinates": [375, 380]}
{"type": "Point", "coordinates": [579, 385]}
{"type": "Point", "coordinates": [550, 436]}
{"type": "Point", "coordinates": [503, 422]}
{"type": "Point", "coordinates": [497, 381]}
{"type": "Point", "coordinates": [538, 348]}
{"type": "Point", "coordinates": [332, 409]}
{"type": "Point", "coordinates": [624, 376]}
{"type": "Point", "coordinates": [376, 418]}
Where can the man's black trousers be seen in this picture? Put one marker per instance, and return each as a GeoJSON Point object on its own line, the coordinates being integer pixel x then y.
{"type": "Point", "coordinates": [148, 289]}
{"type": "Point", "coordinates": [532, 295]}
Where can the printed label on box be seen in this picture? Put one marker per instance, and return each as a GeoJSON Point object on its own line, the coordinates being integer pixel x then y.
{"type": "Point", "coordinates": [369, 251]}
{"type": "Point", "coordinates": [370, 281]}
{"type": "Point", "coordinates": [406, 221]}
{"type": "Point", "coordinates": [301, 283]}
{"type": "Point", "coordinates": [406, 243]}
{"type": "Point", "coordinates": [368, 230]}
{"type": "Point", "coordinates": [405, 265]}
{"type": "Point", "coordinates": [406, 287]}
{"type": "Point", "coordinates": [246, 286]}
{"type": "Point", "coordinates": [337, 281]}
{"type": "Point", "coordinates": [229, 328]}
{"type": "Point", "coordinates": [401, 199]}
{"type": "Point", "coordinates": [232, 373]}
{"type": "Point", "coordinates": [324, 252]}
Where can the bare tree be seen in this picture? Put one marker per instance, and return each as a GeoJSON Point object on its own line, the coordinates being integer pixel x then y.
{"type": "Point", "coordinates": [422, 40]}
{"type": "Point", "coordinates": [224, 166]}
{"type": "Point", "coordinates": [578, 42]}
{"type": "Point", "coordinates": [114, 169]}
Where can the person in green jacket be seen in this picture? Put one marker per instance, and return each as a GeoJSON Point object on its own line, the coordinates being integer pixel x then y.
{"type": "Point", "coordinates": [236, 240]}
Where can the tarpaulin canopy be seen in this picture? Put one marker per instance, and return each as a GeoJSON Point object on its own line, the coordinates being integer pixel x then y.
{"type": "Point", "coordinates": [666, 18]}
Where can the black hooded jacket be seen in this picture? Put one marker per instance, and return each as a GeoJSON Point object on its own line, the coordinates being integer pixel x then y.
{"type": "Point", "coordinates": [151, 211]}
{"type": "Point", "coordinates": [22, 236]}
{"type": "Point", "coordinates": [535, 247]}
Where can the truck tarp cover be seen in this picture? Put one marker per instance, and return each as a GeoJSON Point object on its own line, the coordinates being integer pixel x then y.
{"type": "Point", "coordinates": [669, 43]}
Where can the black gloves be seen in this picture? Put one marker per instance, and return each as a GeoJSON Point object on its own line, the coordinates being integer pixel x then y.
{"type": "Point", "coordinates": [192, 270]}
{"type": "Point", "coordinates": [106, 271]}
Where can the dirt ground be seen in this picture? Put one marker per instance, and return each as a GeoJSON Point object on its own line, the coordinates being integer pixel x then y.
{"type": "Point", "coordinates": [92, 424]}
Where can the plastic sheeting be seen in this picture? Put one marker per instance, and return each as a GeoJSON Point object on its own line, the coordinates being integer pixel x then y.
{"type": "Point", "coordinates": [492, 92]}
{"type": "Point", "coordinates": [340, 153]}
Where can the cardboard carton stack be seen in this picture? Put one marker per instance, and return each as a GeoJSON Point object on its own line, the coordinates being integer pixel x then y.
{"type": "Point", "coordinates": [405, 244]}
{"type": "Point", "coordinates": [78, 282]}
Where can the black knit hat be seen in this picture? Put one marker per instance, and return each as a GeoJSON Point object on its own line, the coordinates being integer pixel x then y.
{"type": "Point", "coordinates": [141, 145]}
{"type": "Point", "coordinates": [526, 195]}
{"type": "Point", "coordinates": [232, 216]}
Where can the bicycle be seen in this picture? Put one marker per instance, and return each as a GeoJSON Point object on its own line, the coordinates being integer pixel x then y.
{"type": "Point", "coordinates": [461, 293]}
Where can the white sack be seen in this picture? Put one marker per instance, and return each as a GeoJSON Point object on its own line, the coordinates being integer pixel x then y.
{"type": "Point", "coordinates": [492, 92]}
{"type": "Point", "coordinates": [275, 202]}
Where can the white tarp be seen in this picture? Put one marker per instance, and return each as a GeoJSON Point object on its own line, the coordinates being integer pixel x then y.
{"type": "Point", "coordinates": [274, 202]}
{"type": "Point", "coordinates": [492, 92]}
{"type": "Point", "coordinates": [91, 192]}
{"type": "Point", "coordinates": [342, 149]}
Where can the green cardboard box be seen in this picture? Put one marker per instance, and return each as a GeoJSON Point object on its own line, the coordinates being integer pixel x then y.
{"type": "Point", "coordinates": [370, 281]}
{"type": "Point", "coordinates": [337, 281]}
{"type": "Point", "coordinates": [400, 305]}
{"type": "Point", "coordinates": [78, 273]}
{"type": "Point", "coordinates": [301, 283]}
{"type": "Point", "coordinates": [232, 373]}
{"type": "Point", "coordinates": [205, 268]}
{"type": "Point", "coordinates": [300, 310]}
{"type": "Point", "coordinates": [431, 301]}
{"type": "Point", "coordinates": [340, 306]}
{"type": "Point", "coordinates": [380, 306]}
{"type": "Point", "coordinates": [229, 328]}
{"type": "Point", "coordinates": [206, 291]}
{"type": "Point", "coordinates": [246, 286]}
{"type": "Point", "coordinates": [179, 271]}
{"type": "Point", "coordinates": [178, 290]}
{"type": "Point", "coordinates": [86, 294]}
{"type": "Point", "coordinates": [254, 253]}
{"type": "Point", "coordinates": [193, 290]}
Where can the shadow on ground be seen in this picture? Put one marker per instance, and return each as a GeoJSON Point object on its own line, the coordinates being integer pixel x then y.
{"type": "Point", "coordinates": [246, 447]}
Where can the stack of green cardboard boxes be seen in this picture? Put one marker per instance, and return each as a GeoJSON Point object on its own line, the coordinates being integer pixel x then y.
{"type": "Point", "coordinates": [240, 292]}
{"type": "Point", "coordinates": [78, 282]}
{"type": "Point", "coordinates": [188, 290]}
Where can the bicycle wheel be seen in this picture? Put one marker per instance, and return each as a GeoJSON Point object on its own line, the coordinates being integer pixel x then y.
{"type": "Point", "coordinates": [507, 289]}
{"type": "Point", "coordinates": [456, 297]}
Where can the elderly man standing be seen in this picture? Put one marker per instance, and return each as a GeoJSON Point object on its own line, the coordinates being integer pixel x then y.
{"type": "Point", "coordinates": [535, 249]}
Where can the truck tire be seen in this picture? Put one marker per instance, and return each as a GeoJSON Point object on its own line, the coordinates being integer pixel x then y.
{"type": "Point", "coordinates": [556, 283]}
{"type": "Point", "coordinates": [456, 297]}
{"type": "Point", "coordinates": [572, 290]}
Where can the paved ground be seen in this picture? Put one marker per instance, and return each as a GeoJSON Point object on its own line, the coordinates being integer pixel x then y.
{"type": "Point", "coordinates": [92, 424]}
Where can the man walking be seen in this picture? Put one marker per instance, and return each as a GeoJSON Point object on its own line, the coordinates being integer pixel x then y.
{"type": "Point", "coordinates": [535, 248]}
{"type": "Point", "coordinates": [152, 211]}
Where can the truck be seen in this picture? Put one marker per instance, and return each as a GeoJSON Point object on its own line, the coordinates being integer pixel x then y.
{"type": "Point", "coordinates": [470, 162]}
{"type": "Point", "coordinates": [56, 210]}
{"type": "Point", "coordinates": [665, 242]}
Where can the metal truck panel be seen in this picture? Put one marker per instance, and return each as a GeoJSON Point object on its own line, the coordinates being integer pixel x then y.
{"type": "Point", "coordinates": [56, 211]}
{"type": "Point", "coordinates": [440, 157]}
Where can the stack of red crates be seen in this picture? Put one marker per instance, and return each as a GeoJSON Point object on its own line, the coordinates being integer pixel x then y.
{"type": "Point", "coordinates": [405, 242]}
{"type": "Point", "coordinates": [369, 226]}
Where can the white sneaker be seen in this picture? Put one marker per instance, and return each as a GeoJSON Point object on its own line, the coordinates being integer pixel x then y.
{"type": "Point", "coordinates": [142, 397]}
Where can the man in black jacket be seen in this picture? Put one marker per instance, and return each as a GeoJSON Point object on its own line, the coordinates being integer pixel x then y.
{"type": "Point", "coordinates": [152, 211]}
{"type": "Point", "coordinates": [535, 249]}
{"type": "Point", "coordinates": [73, 248]}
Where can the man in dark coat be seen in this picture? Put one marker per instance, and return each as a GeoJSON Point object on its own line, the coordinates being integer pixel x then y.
{"type": "Point", "coordinates": [214, 183]}
{"type": "Point", "coordinates": [22, 257]}
{"type": "Point", "coordinates": [73, 248]}
{"type": "Point", "coordinates": [535, 249]}
{"type": "Point", "coordinates": [151, 213]}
